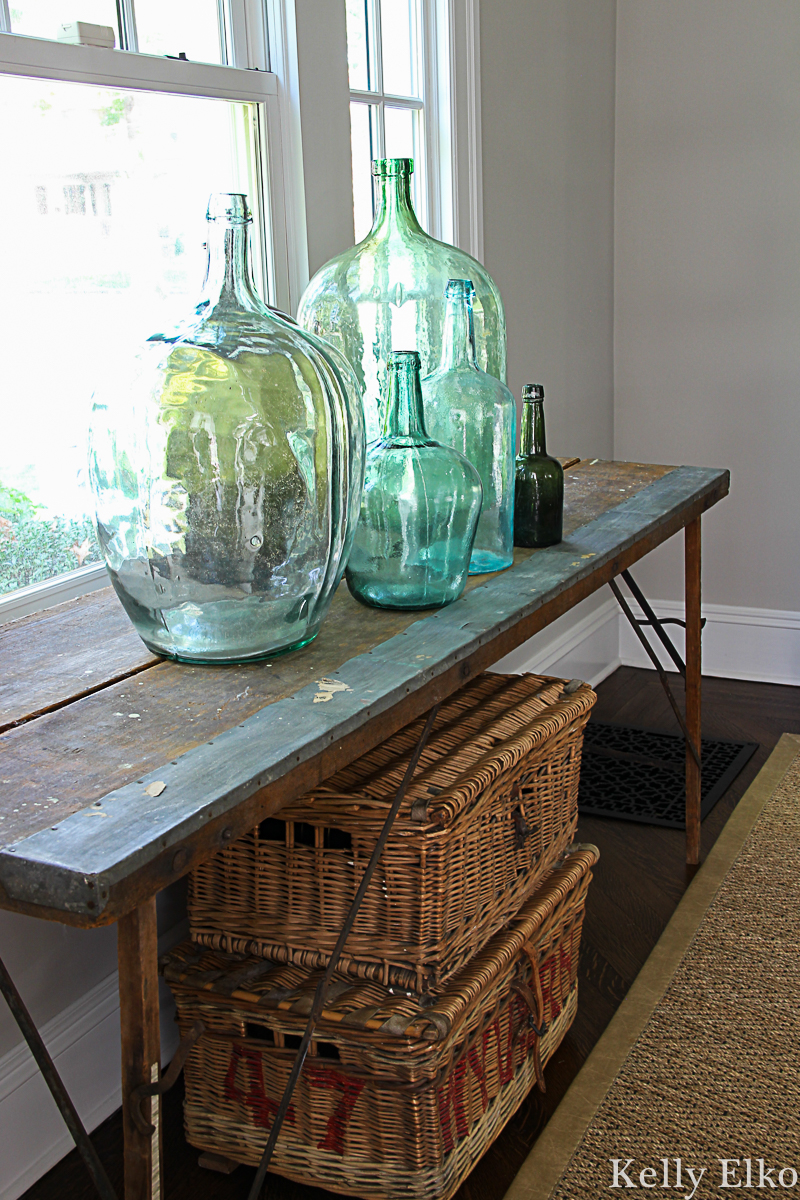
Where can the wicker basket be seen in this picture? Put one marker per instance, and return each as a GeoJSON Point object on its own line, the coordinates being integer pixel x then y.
{"type": "Point", "coordinates": [401, 1094]}
{"type": "Point", "coordinates": [491, 809]}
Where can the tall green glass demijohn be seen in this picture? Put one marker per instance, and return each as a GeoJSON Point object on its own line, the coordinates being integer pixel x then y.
{"type": "Point", "coordinates": [387, 293]}
{"type": "Point", "coordinates": [539, 485]}
{"type": "Point", "coordinates": [227, 467]}
{"type": "Point", "coordinates": [475, 413]}
{"type": "Point", "coordinates": [419, 510]}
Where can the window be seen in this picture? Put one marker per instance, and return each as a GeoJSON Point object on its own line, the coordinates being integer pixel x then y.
{"type": "Point", "coordinates": [388, 94]}
{"type": "Point", "coordinates": [108, 164]}
{"type": "Point", "coordinates": [414, 93]}
{"type": "Point", "coordinates": [109, 156]}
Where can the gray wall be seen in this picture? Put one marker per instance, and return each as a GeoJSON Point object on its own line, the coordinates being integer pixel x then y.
{"type": "Point", "coordinates": [53, 966]}
{"type": "Point", "coordinates": [547, 94]}
{"type": "Point", "coordinates": [707, 269]}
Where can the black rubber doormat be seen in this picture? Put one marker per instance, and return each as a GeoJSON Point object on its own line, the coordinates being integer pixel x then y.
{"type": "Point", "coordinates": [639, 775]}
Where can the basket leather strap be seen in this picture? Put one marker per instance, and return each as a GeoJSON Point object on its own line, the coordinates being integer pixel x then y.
{"type": "Point", "coordinates": [398, 1023]}
{"type": "Point", "coordinates": [533, 958]}
{"type": "Point", "coordinates": [527, 995]}
{"type": "Point", "coordinates": [534, 998]}
{"type": "Point", "coordinates": [360, 1017]}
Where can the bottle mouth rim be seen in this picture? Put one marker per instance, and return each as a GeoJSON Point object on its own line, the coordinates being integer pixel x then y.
{"type": "Point", "coordinates": [460, 287]}
{"type": "Point", "coordinates": [230, 207]}
{"type": "Point", "coordinates": [403, 358]}
{"type": "Point", "coordinates": [532, 391]}
{"type": "Point", "coordinates": [384, 167]}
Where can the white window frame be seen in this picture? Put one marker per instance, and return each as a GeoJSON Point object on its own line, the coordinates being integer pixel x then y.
{"type": "Point", "coordinates": [450, 77]}
{"type": "Point", "coordinates": [458, 89]}
{"type": "Point", "coordinates": [279, 200]}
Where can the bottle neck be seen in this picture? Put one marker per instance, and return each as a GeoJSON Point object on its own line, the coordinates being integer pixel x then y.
{"type": "Point", "coordinates": [404, 412]}
{"type": "Point", "coordinates": [229, 279]}
{"type": "Point", "coordinates": [458, 344]}
{"type": "Point", "coordinates": [532, 438]}
{"type": "Point", "coordinates": [394, 209]}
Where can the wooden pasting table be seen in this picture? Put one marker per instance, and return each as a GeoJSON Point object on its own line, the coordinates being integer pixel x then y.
{"type": "Point", "coordinates": [90, 720]}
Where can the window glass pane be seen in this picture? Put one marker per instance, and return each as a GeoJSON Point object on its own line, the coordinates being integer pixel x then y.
{"type": "Point", "coordinates": [44, 18]}
{"type": "Point", "coordinates": [103, 206]}
{"type": "Point", "coordinates": [399, 38]}
{"type": "Point", "coordinates": [362, 126]}
{"type": "Point", "coordinates": [357, 45]}
{"type": "Point", "coordinates": [401, 141]}
{"type": "Point", "coordinates": [189, 27]}
{"type": "Point", "coordinates": [404, 140]}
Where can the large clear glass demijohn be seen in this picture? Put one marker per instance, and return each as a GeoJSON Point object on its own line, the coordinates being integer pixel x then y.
{"type": "Point", "coordinates": [476, 414]}
{"type": "Point", "coordinates": [387, 293]}
{"type": "Point", "coordinates": [227, 468]}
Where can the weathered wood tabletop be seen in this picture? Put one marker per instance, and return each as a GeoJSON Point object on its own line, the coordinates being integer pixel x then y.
{"type": "Point", "coordinates": [89, 719]}
{"type": "Point", "coordinates": [119, 772]}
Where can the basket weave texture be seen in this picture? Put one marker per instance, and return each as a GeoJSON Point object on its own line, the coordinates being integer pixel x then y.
{"type": "Point", "coordinates": [401, 1093]}
{"type": "Point", "coordinates": [491, 810]}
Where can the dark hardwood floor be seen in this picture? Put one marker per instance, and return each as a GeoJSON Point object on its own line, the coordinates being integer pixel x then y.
{"type": "Point", "coordinates": [637, 884]}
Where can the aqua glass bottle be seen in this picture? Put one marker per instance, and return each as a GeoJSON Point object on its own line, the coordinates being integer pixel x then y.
{"type": "Point", "coordinates": [227, 466]}
{"type": "Point", "coordinates": [476, 414]}
{"type": "Point", "coordinates": [419, 509]}
{"type": "Point", "coordinates": [387, 293]}
{"type": "Point", "coordinates": [539, 485]}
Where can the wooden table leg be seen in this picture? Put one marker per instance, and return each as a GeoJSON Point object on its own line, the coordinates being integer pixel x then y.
{"type": "Point", "coordinates": [141, 1047]}
{"type": "Point", "coordinates": [693, 672]}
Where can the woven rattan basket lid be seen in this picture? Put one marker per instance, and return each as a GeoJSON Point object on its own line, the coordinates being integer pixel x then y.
{"type": "Point", "coordinates": [360, 1009]}
{"type": "Point", "coordinates": [481, 731]}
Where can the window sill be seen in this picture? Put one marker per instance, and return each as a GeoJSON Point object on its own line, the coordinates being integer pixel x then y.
{"type": "Point", "coordinates": [31, 599]}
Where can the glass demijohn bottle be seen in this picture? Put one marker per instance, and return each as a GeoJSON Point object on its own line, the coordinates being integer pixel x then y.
{"type": "Point", "coordinates": [419, 509]}
{"type": "Point", "coordinates": [226, 467]}
{"type": "Point", "coordinates": [539, 484]}
{"type": "Point", "coordinates": [476, 414]}
{"type": "Point", "coordinates": [387, 293]}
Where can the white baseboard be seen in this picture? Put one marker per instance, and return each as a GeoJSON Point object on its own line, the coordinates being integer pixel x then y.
{"type": "Point", "coordinates": [594, 639]}
{"type": "Point", "coordinates": [761, 644]}
{"type": "Point", "coordinates": [84, 1043]}
{"type": "Point", "coordinates": [583, 644]}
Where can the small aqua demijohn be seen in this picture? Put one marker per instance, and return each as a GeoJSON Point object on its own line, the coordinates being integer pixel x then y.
{"type": "Point", "coordinates": [476, 414]}
{"type": "Point", "coordinates": [387, 293]}
{"type": "Point", "coordinates": [419, 510]}
{"type": "Point", "coordinates": [227, 469]}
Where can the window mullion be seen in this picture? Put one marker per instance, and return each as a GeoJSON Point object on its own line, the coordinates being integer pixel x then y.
{"type": "Point", "coordinates": [395, 101]}
{"type": "Point", "coordinates": [225, 32]}
{"type": "Point", "coordinates": [5, 17]}
{"type": "Point", "coordinates": [126, 19]}
{"type": "Point", "coordinates": [374, 34]}
{"type": "Point", "coordinates": [246, 29]}
{"type": "Point", "coordinates": [257, 32]}
{"type": "Point", "coordinates": [236, 28]}
{"type": "Point", "coordinates": [381, 120]}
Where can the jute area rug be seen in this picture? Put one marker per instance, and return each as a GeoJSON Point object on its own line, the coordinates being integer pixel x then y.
{"type": "Point", "coordinates": [700, 1065]}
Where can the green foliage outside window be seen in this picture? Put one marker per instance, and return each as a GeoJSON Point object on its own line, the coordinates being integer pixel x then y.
{"type": "Point", "coordinates": [35, 546]}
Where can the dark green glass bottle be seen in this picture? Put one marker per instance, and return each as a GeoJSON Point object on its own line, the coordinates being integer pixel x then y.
{"type": "Point", "coordinates": [539, 480]}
